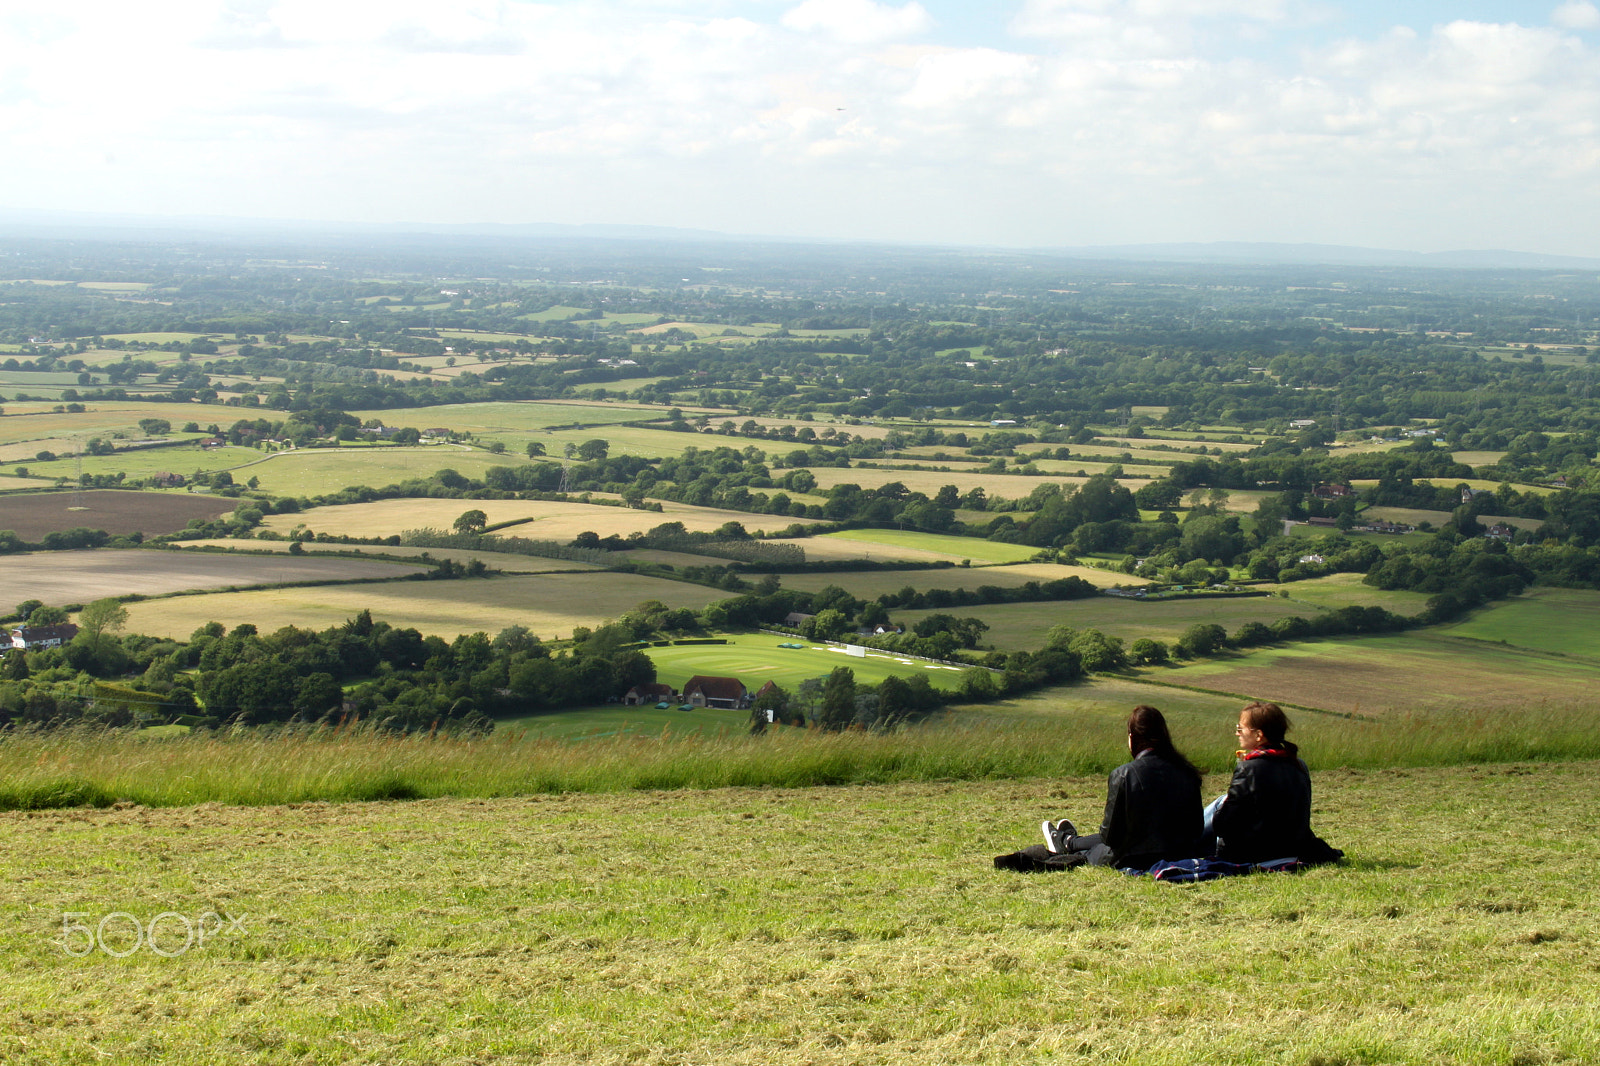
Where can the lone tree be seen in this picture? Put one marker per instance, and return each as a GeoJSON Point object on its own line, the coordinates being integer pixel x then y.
{"type": "Point", "coordinates": [100, 619]}
{"type": "Point", "coordinates": [471, 522]}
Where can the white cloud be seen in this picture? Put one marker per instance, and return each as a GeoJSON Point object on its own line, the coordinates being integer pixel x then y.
{"type": "Point", "coordinates": [1576, 15]}
{"type": "Point", "coordinates": [833, 117]}
{"type": "Point", "coordinates": [859, 21]}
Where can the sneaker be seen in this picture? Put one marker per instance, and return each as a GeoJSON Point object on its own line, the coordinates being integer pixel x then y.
{"type": "Point", "coordinates": [1056, 834]}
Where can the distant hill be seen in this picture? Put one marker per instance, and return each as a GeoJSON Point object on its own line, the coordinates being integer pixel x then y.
{"type": "Point", "coordinates": [121, 227]}
{"type": "Point", "coordinates": [1243, 252]}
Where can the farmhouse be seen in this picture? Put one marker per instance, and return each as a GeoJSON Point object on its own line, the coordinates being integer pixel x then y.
{"type": "Point", "coordinates": [725, 692]}
{"type": "Point", "coordinates": [163, 479]}
{"type": "Point", "coordinates": [31, 637]}
{"type": "Point", "coordinates": [655, 692]}
{"type": "Point", "coordinates": [1332, 492]}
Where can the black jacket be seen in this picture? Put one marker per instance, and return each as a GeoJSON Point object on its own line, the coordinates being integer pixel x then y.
{"type": "Point", "coordinates": [1267, 814]}
{"type": "Point", "coordinates": [1153, 812]}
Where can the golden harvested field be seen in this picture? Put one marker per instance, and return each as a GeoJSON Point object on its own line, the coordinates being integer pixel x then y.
{"type": "Point", "coordinates": [503, 561]}
{"type": "Point", "coordinates": [521, 417]}
{"type": "Point", "coordinates": [1100, 466]}
{"type": "Point", "coordinates": [554, 520]}
{"type": "Point", "coordinates": [929, 482]}
{"type": "Point", "coordinates": [1134, 443]}
{"type": "Point", "coordinates": [548, 604]}
{"type": "Point", "coordinates": [827, 548]}
{"type": "Point", "coordinates": [61, 578]}
{"type": "Point", "coordinates": [869, 584]}
{"type": "Point", "coordinates": [1414, 516]}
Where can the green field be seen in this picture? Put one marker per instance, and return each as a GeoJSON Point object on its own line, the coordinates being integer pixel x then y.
{"type": "Point", "coordinates": [1346, 590]}
{"type": "Point", "coordinates": [105, 417]}
{"type": "Point", "coordinates": [1563, 621]}
{"type": "Point", "coordinates": [139, 463]}
{"type": "Point", "coordinates": [1025, 626]}
{"type": "Point", "coordinates": [989, 551]}
{"type": "Point", "coordinates": [316, 471]}
{"type": "Point", "coordinates": [798, 926]}
{"type": "Point", "coordinates": [756, 659]}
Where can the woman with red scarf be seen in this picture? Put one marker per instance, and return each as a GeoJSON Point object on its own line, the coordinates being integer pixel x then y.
{"type": "Point", "coordinates": [1266, 813]}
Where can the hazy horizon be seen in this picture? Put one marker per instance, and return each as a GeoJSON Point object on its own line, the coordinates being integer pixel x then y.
{"type": "Point", "coordinates": [1017, 124]}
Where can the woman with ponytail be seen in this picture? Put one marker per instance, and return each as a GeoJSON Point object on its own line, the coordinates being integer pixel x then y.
{"type": "Point", "coordinates": [1266, 813]}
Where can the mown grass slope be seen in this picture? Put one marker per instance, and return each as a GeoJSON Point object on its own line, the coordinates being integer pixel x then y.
{"type": "Point", "coordinates": [778, 926]}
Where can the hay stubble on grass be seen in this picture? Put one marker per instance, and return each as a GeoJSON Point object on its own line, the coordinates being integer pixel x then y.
{"type": "Point", "coordinates": [810, 925]}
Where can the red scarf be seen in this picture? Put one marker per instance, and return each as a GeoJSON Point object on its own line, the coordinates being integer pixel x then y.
{"type": "Point", "coordinates": [1259, 753]}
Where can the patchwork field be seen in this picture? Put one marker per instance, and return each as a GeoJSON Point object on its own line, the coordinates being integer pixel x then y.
{"type": "Point", "coordinates": [139, 463]}
{"type": "Point", "coordinates": [1415, 516]}
{"type": "Point", "coordinates": [503, 561]}
{"type": "Point", "coordinates": [317, 471]}
{"type": "Point", "coordinates": [32, 515]}
{"type": "Point", "coordinates": [524, 417]}
{"type": "Point", "coordinates": [756, 659]}
{"type": "Point", "coordinates": [34, 421]}
{"type": "Point", "coordinates": [553, 520]}
{"type": "Point", "coordinates": [869, 584]}
{"type": "Point", "coordinates": [929, 482]}
{"type": "Point", "coordinates": [1346, 590]}
{"type": "Point", "coordinates": [834, 548]}
{"type": "Point", "coordinates": [991, 551]}
{"type": "Point", "coordinates": [550, 605]}
{"type": "Point", "coordinates": [77, 577]}
{"type": "Point", "coordinates": [1561, 621]}
{"type": "Point", "coordinates": [1024, 626]}
{"type": "Point", "coordinates": [1400, 674]}
{"type": "Point", "coordinates": [789, 926]}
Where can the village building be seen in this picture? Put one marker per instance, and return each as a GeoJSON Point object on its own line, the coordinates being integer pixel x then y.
{"type": "Point", "coordinates": [725, 692]}
{"type": "Point", "coordinates": [31, 638]}
{"type": "Point", "coordinates": [649, 695]}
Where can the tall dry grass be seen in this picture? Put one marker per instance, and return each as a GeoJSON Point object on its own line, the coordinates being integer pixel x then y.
{"type": "Point", "coordinates": [41, 769]}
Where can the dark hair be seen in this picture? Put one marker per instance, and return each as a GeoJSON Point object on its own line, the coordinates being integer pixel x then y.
{"type": "Point", "coordinates": [1273, 723]}
{"type": "Point", "coordinates": [1147, 728]}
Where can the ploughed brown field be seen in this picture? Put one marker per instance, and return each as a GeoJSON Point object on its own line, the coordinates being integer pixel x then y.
{"type": "Point", "coordinates": [32, 515]}
{"type": "Point", "coordinates": [78, 577]}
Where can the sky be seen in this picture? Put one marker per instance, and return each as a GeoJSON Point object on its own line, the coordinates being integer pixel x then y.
{"type": "Point", "coordinates": [1424, 125]}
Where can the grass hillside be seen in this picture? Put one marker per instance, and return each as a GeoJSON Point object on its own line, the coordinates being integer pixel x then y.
{"type": "Point", "coordinates": [779, 926]}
